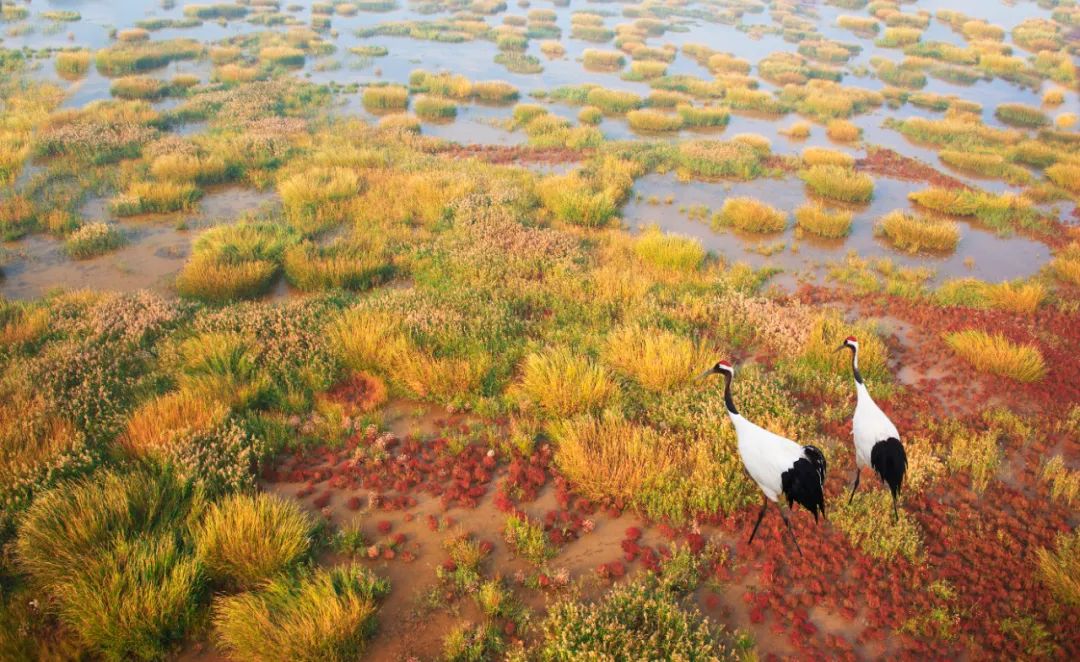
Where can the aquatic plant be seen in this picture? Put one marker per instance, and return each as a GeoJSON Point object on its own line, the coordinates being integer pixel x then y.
{"type": "Point", "coordinates": [750, 215]}
{"type": "Point", "coordinates": [350, 265]}
{"type": "Point", "coordinates": [838, 183]}
{"type": "Point", "coordinates": [669, 251]}
{"type": "Point", "coordinates": [914, 233]}
{"type": "Point", "coordinates": [130, 57]}
{"type": "Point", "coordinates": [94, 239]}
{"type": "Point", "coordinates": [603, 60]}
{"type": "Point", "coordinates": [817, 220]}
{"type": "Point", "coordinates": [653, 121]}
{"type": "Point", "coordinates": [144, 197]}
{"type": "Point", "coordinates": [998, 355]}
{"type": "Point", "coordinates": [381, 98]}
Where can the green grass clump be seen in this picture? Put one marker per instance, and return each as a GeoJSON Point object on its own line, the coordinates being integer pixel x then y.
{"type": "Point", "coordinates": [139, 87]}
{"type": "Point", "coordinates": [155, 198]}
{"type": "Point", "coordinates": [669, 251]}
{"type": "Point", "coordinates": [1019, 114]}
{"type": "Point", "coordinates": [624, 625]}
{"type": "Point", "coordinates": [113, 555]}
{"type": "Point", "coordinates": [838, 183]}
{"type": "Point", "coordinates": [325, 614]}
{"type": "Point", "coordinates": [590, 115]}
{"type": "Point", "coordinates": [653, 121]}
{"type": "Point", "coordinates": [94, 239]}
{"type": "Point", "coordinates": [247, 539]}
{"type": "Point", "coordinates": [527, 539]}
{"type": "Point", "coordinates": [914, 233]}
{"type": "Point", "coordinates": [127, 57]}
{"type": "Point", "coordinates": [61, 15]}
{"type": "Point", "coordinates": [181, 167]}
{"type": "Point", "coordinates": [434, 108]}
{"type": "Point", "coordinates": [863, 522]}
{"type": "Point", "coordinates": [17, 217]}
{"type": "Point", "coordinates": [386, 98]}
{"type": "Point", "coordinates": [340, 265]}
{"type": "Point", "coordinates": [1004, 213]}
{"type": "Point", "coordinates": [750, 215]}
{"type": "Point", "coordinates": [997, 355]}
{"type": "Point", "coordinates": [815, 219]}
{"type": "Point", "coordinates": [235, 261]}
{"type": "Point", "coordinates": [985, 164]}
{"type": "Point", "coordinates": [716, 158]}
{"type": "Point", "coordinates": [693, 116]}
{"type": "Point", "coordinates": [613, 101]}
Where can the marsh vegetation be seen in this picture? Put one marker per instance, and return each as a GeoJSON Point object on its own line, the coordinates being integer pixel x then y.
{"type": "Point", "coordinates": [365, 328]}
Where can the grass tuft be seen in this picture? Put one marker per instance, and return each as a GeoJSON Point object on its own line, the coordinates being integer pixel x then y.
{"type": "Point", "coordinates": [818, 220]}
{"type": "Point", "coordinates": [750, 215]}
{"type": "Point", "coordinates": [915, 233]}
{"type": "Point", "coordinates": [838, 183]}
{"type": "Point", "coordinates": [997, 355]}
{"type": "Point", "coordinates": [563, 383]}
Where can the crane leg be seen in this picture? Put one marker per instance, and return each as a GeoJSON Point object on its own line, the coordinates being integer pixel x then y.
{"type": "Point", "coordinates": [795, 540]}
{"type": "Point", "coordinates": [895, 515]}
{"type": "Point", "coordinates": [764, 505]}
{"type": "Point", "coordinates": [855, 485]}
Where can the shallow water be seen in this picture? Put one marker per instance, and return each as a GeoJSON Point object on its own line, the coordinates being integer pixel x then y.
{"type": "Point", "coordinates": [37, 264]}
{"type": "Point", "coordinates": [994, 258]}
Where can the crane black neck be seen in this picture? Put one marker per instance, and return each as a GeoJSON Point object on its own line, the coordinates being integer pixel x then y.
{"type": "Point", "coordinates": [727, 395]}
{"type": "Point", "coordinates": [855, 364]}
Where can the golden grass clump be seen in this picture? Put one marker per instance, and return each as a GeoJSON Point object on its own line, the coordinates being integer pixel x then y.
{"type": "Point", "coordinates": [159, 425]}
{"type": "Point", "coordinates": [613, 101]}
{"type": "Point", "coordinates": [234, 261]}
{"type": "Point", "coordinates": [110, 553]}
{"type": "Point", "coordinates": [1066, 264]}
{"type": "Point", "coordinates": [494, 92]}
{"type": "Point", "coordinates": [133, 34]}
{"type": "Point", "coordinates": [915, 233]}
{"type": "Point", "coordinates": [340, 265]}
{"type": "Point", "coordinates": [750, 215]}
{"type": "Point", "coordinates": [220, 367]}
{"type": "Point", "coordinates": [434, 108]}
{"type": "Point", "coordinates": [318, 198]}
{"type": "Point", "coordinates": [653, 121]}
{"type": "Point", "coordinates": [286, 56]}
{"type": "Point", "coordinates": [72, 64]}
{"type": "Point", "coordinates": [818, 220]}
{"type": "Point", "coordinates": [603, 60]}
{"type": "Point", "coordinates": [236, 73]}
{"type": "Point", "coordinates": [1059, 569]}
{"type": "Point", "coordinates": [813, 156]}
{"type": "Point", "coordinates": [655, 358]}
{"type": "Point", "coordinates": [609, 457]}
{"type": "Point", "coordinates": [797, 131]}
{"type": "Point", "coordinates": [1064, 482]}
{"type": "Point", "coordinates": [564, 383]}
{"type": "Point", "coordinates": [977, 453]}
{"type": "Point", "coordinates": [669, 251]}
{"type": "Point", "coordinates": [997, 355]}
{"type": "Point", "coordinates": [1065, 175]}
{"type": "Point", "coordinates": [180, 167]}
{"type": "Point", "coordinates": [383, 98]}
{"type": "Point", "coordinates": [842, 131]}
{"type": "Point", "coordinates": [838, 183]}
{"type": "Point", "coordinates": [162, 197]}
{"type": "Point", "coordinates": [325, 614]}
{"type": "Point", "coordinates": [247, 539]}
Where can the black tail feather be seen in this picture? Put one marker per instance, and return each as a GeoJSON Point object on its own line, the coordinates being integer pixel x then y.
{"type": "Point", "coordinates": [803, 482]}
{"type": "Point", "coordinates": [890, 462]}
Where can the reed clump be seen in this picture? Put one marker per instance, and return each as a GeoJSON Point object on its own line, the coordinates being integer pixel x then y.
{"type": "Point", "coordinates": [914, 233]}
{"type": "Point", "coordinates": [997, 355]}
{"type": "Point", "coordinates": [750, 215]}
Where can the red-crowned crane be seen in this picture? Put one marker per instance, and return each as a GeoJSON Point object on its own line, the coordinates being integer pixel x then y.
{"type": "Point", "coordinates": [877, 442]}
{"type": "Point", "coordinates": [777, 465]}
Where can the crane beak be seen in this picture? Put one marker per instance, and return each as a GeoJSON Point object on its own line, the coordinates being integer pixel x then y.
{"type": "Point", "coordinates": [840, 348]}
{"type": "Point", "coordinates": [703, 375]}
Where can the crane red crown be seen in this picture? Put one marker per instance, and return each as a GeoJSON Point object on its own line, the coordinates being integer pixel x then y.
{"type": "Point", "coordinates": [724, 364]}
{"type": "Point", "coordinates": [851, 339]}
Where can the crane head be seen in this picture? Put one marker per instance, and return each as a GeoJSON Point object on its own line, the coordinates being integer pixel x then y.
{"type": "Point", "coordinates": [721, 368]}
{"type": "Point", "coordinates": [849, 343]}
